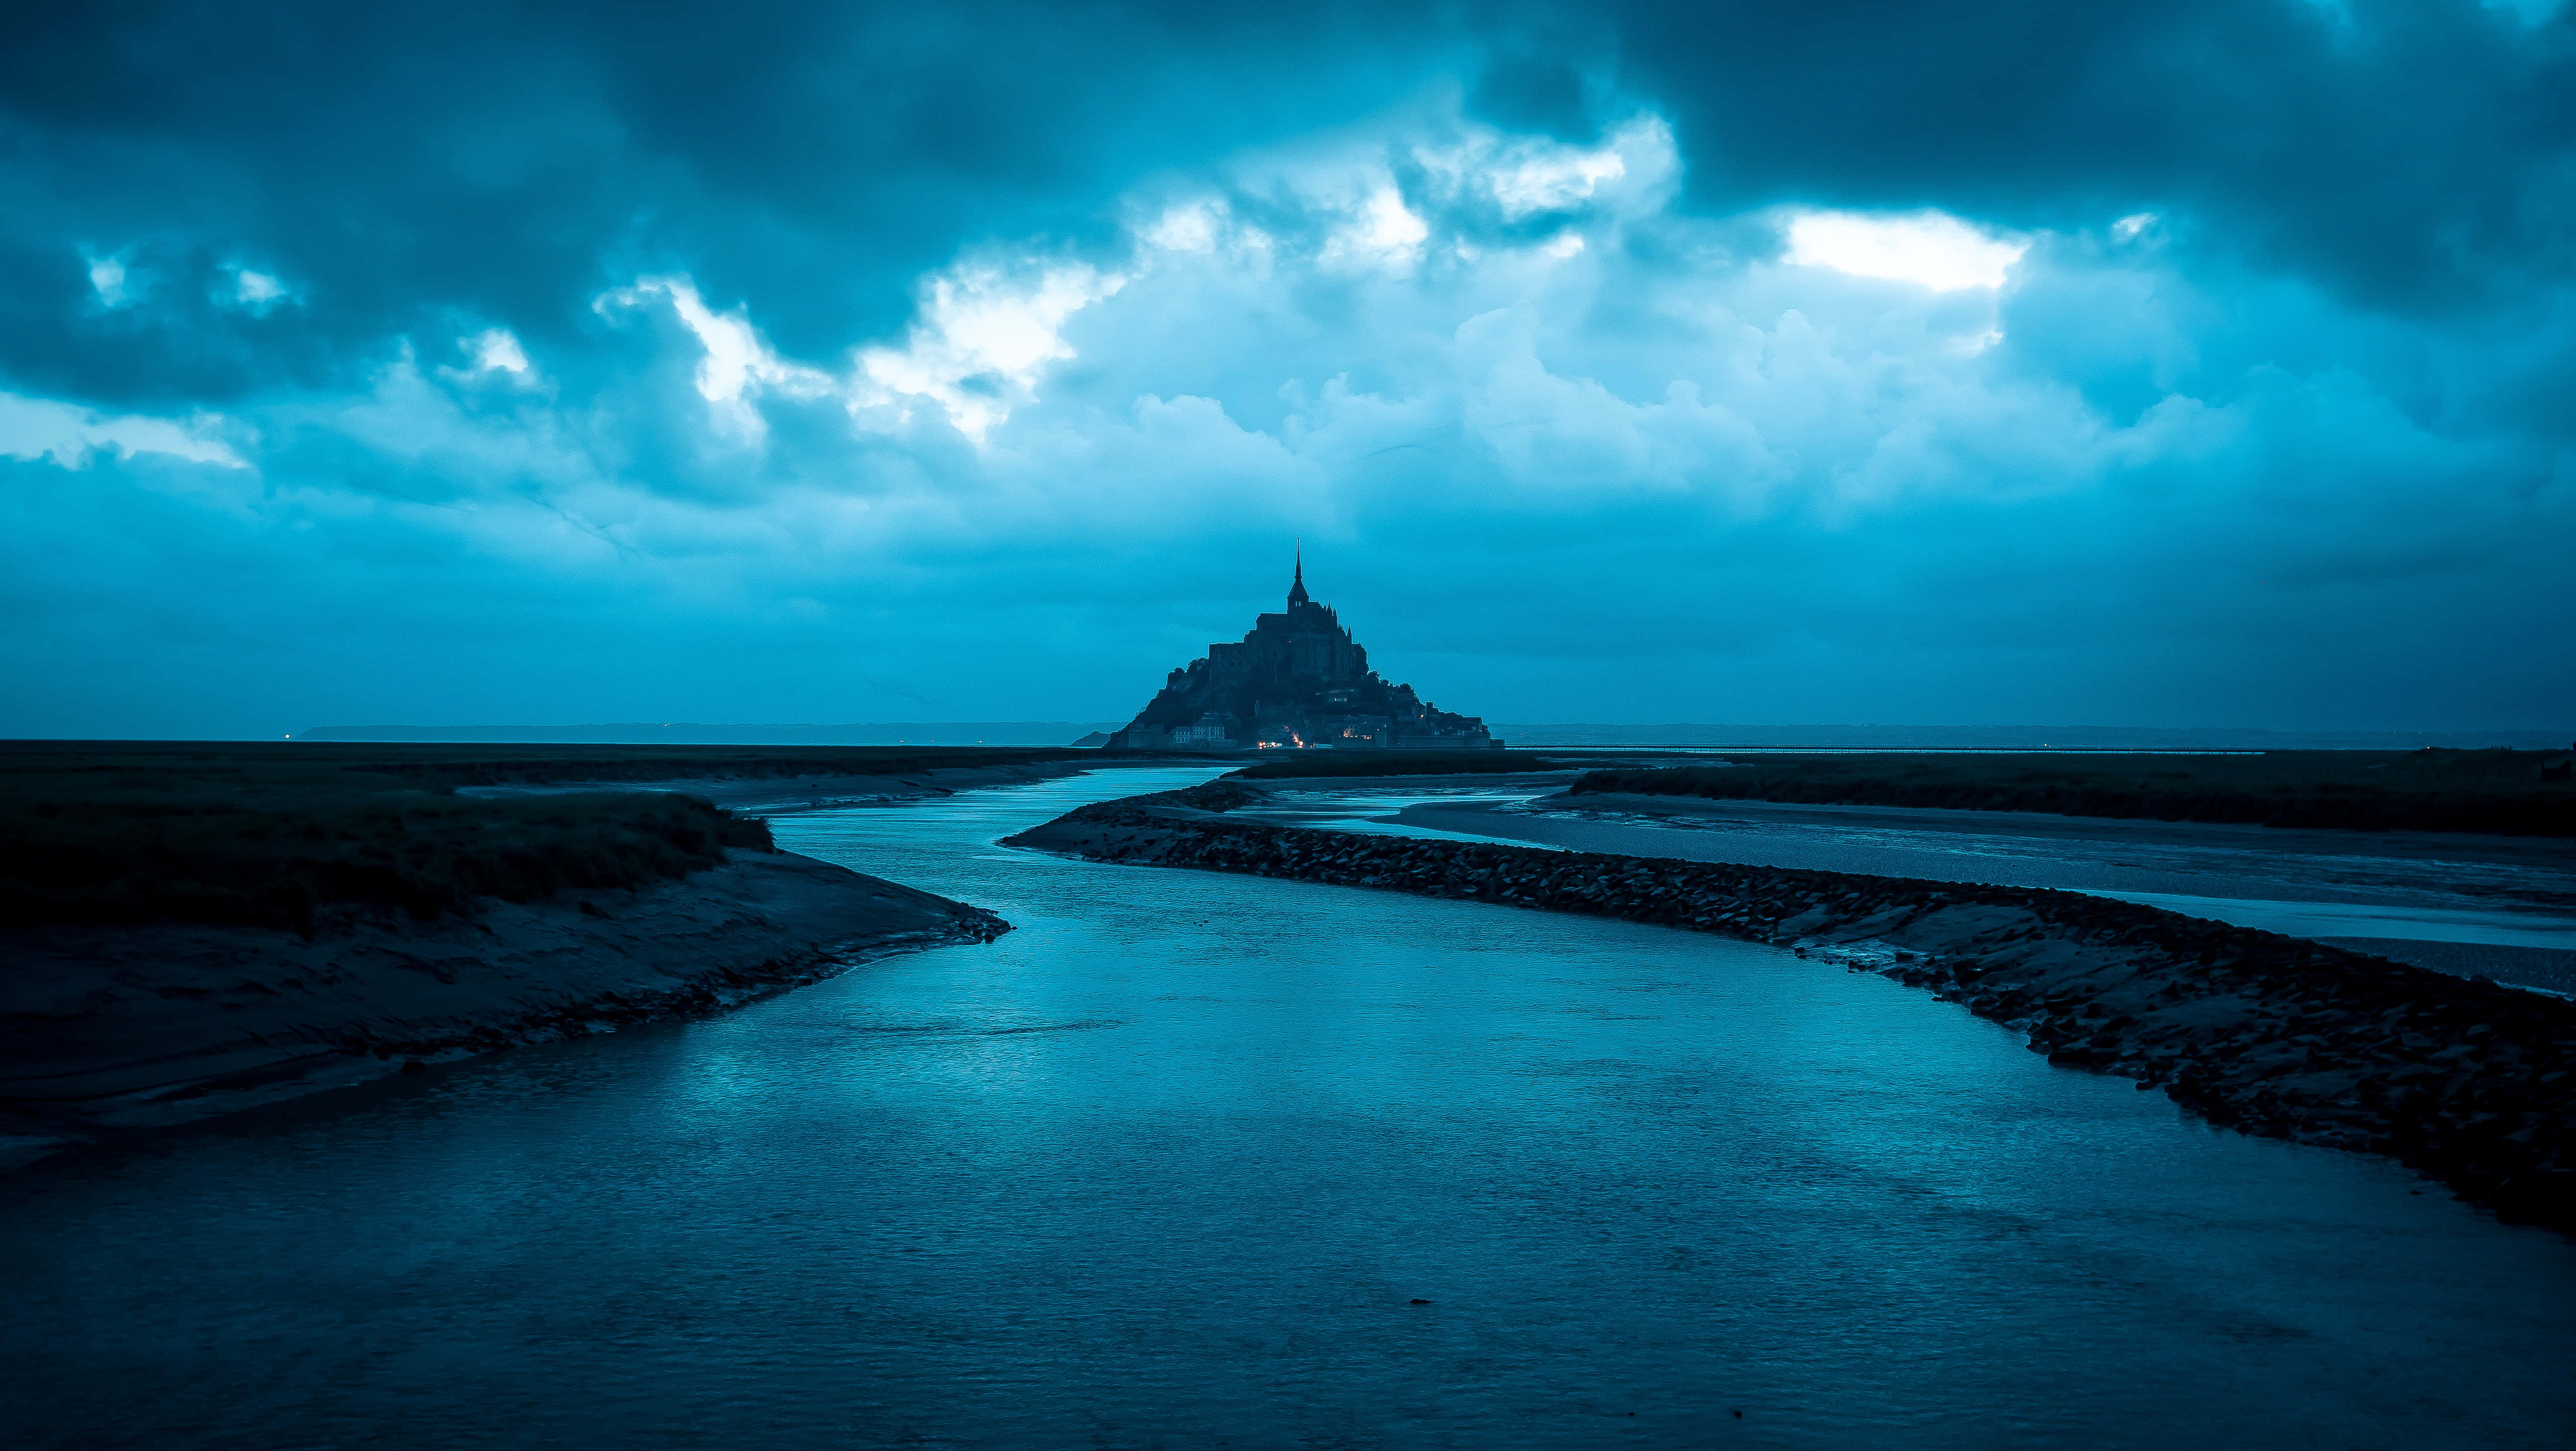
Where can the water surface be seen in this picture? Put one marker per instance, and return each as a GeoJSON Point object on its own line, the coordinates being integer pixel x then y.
{"type": "Point", "coordinates": [1169, 1165]}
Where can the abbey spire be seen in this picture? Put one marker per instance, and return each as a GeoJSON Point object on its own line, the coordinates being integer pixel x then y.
{"type": "Point", "coordinates": [1297, 589]}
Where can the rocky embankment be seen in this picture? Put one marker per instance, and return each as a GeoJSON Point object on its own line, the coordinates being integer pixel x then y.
{"type": "Point", "coordinates": [2468, 1082]}
{"type": "Point", "coordinates": [117, 1027]}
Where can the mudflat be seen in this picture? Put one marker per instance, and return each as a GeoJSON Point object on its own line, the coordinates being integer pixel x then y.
{"type": "Point", "coordinates": [105, 1027]}
{"type": "Point", "coordinates": [2458, 846]}
{"type": "Point", "coordinates": [2496, 792]}
{"type": "Point", "coordinates": [2512, 896]}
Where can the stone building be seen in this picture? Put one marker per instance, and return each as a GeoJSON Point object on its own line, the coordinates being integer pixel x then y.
{"type": "Point", "coordinates": [1298, 681]}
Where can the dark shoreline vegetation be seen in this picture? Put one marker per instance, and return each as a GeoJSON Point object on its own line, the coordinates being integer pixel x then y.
{"type": "Point", "coordinates": [289, 835]}
{"type": "Point", "coordinates": [2461, 1079]}
{"type": "Point", "coordinates": [1398, 763]}
{"type": "Point", "coordinates": [2500, 792]}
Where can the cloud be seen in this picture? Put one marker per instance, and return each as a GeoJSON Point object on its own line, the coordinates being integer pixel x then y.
{"type": "Point", "coordinates": [736, 365]}
{"type": "Point", "coordinates": [496, 351]}
{"type": "Point", "coordinates": [396, 163]}
{"type": "Point", "coordinates": [983, 335]}
{"type": "Point", "coordinates": [1927, 248]}
{"type": "Point", "coordinates": [107, 277]}
{"type": "Point", "coordinates": [2272, 124]}
{"type": "Point", "coordinates": [69, 435]}
{"type": "Point", "coordinates": [1381, 231]}
{"type": "Point", "coordinates": [256, 292]}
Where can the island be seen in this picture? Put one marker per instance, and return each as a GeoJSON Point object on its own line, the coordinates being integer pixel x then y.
{"type": "Point", "coordinates": [1297, 681]}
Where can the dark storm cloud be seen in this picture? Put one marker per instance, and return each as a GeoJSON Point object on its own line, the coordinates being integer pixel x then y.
{"type": "Point", "coordinates": [507, 160]}
{"type": "Point", "coordinates": [2412, 152]}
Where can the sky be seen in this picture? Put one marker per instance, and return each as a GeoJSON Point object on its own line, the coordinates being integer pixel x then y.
{"type": "Point", "coordinates": [2159, 364]}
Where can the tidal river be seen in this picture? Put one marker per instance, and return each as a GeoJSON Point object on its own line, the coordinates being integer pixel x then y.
{"type": "Point", "coordinates": [1192, 1160]}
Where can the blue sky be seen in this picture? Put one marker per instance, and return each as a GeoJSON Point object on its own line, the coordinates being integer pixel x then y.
{"type": "Point", "coordinates": [2160, 364]}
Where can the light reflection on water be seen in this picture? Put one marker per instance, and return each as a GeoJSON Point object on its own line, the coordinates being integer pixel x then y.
{"type": "Point", "coordinates": [1167, 1166]}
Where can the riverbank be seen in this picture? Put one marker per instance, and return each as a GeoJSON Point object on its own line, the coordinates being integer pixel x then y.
{"type": "Point", "coordinates": [2468, 1082]}
{"type": "Point", "coordinates": [105, 1028]}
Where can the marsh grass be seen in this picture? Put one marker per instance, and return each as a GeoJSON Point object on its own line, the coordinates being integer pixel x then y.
{"type": "Point", "coordinates": [293, 834]}
{"type": "Point", "coordinates": [2507, 793]}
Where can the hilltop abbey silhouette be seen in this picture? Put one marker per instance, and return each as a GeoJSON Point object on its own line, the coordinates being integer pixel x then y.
{"type": "Point", "coordinates": [1297, 682]}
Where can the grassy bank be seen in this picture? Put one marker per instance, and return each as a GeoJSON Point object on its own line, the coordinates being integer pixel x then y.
{"type": "Point", "coordinates": [287, 834]}
{"type": "Point", "coordinates": [1398, 763]}
{"type": "Point", "coordinates": [2510, 793]}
